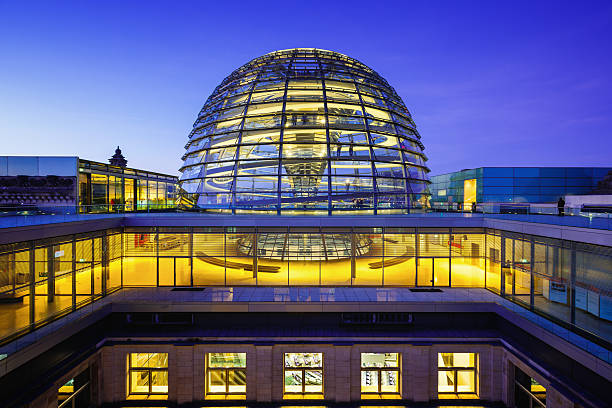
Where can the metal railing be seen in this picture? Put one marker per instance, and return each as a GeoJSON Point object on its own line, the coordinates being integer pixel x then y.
{"type": "Point", "coordinates": [43, 209]}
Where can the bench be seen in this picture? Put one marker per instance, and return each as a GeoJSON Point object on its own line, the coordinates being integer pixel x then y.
{"type": "Point", "coordinates": [236, 265]}
{"type": "Point", "coordinates": [391, 261]}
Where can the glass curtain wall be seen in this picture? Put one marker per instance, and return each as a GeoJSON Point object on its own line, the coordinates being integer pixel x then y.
{"type": "Point", "coordinates": [105, 188]}
{"type": "Point", "coordinates": [43, 280]}
{"type": "Point", "coordinates": [564, 281]}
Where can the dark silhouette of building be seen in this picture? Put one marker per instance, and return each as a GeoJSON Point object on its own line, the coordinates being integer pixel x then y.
{"type": "Point", "coordinates": [118, 159]}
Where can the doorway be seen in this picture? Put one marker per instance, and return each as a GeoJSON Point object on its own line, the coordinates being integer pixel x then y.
{"type": "Point", "coordinates": [433, 271]}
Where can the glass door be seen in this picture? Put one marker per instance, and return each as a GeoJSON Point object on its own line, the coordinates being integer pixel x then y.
{"type": "Point", "coordinates": [433, 272]}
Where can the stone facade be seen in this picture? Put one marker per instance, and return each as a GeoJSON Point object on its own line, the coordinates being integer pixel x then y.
{"type": "Point", "coordinates": [341, 371]}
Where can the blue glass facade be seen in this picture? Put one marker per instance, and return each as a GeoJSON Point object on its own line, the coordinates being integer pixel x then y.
{"type": "Point", "coordinates": [516, 184]}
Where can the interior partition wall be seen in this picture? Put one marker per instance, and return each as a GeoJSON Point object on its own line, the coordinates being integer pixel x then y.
{"type": "Point", "coordinates": [565, 281]}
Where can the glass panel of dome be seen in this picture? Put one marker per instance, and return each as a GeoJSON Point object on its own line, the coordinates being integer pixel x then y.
{"type": "Point", "coordinates": [304, 120]}
{"type": "Point", "coordinates": [412, 158]}
{"type": "Point", "coordinates": [390, 185]}
{"type": "Point", "coordinates": [385, 140]}
{"type": "Point", "coordinates": [311, 107]}
{"type": "Point", "coordinates": [402, 120]}
{"type": "Point", "coordinates": [270, 85]}
{"type": "Point", "coordinates": [340, 86]}
{"type": "Point", "coordinates": [240, 89]}
{"type": "Point", "coordinates": [377, 113]}
{"type": "Point", "coordinates": [364, 89]}
{"type": "Point", "coordinates": [226, 139]}
{"type": "Point", "coordinates": [342, 96]}
{"type": "Point", "coordinates": [228, 125]}
{"type": "Point", "coordinates": [217, 184]}
{"type": "Point", "coordinates": [235, 100]}
{"type": "Point", "coordinates": [380, 126]}
{"type": "Point", "coordinates": [223, 154]}
{"type": "Point", "coordinates": [272, 96]}
{"type": "Point", "coordinates": [256, 184]}
{"type": "Point", "coordinates": [415, 172]}
{"type": "Point", "coordinates": [264, 108]}
{"type": "Point", "coordinates": [261, 136]}
{"type": "Point", "coordinates": [304, 83]}
{"type": "Point", "coordinates": [304, 94]}
{"type": "Point", "coordinates": [387, 155]}
{"type": "Point", "coordinates": [374, 101]}
{"type": "Point", "coordinates": [347, 136]}
{"type": "Point", "coordinates": [346, 122]}
{"type": "Point", "coordinates": [316, 136]}
{"type": "Point", "coordinates": [262, 122]}
{"type": "Point", "coordinates": [258, 151]}
{"type": "Point", "coordinates": [258, 168]}
{"type": "Point", "coordinates": [191, 172]}
{"type": "Point", "coordinates": [344, 109]}
{"type": "Point", "coordinates": [351, 167]}
{"type": "Point", "coordinates": [231, 113]}
{"type": "Point", "coordinates": [350, 151]}
{"type": "Point", "coordinates": [304, 151]}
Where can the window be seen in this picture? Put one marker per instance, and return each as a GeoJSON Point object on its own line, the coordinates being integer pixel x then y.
{"type": "Point", "coordinates": [147, 374]}
{"type": "Point", "coordinates": [226, 374]}
{"type": "Point", "coordinates": [528, 393]}
{"type": "Point", "coordinates": [75, 393]}
{"type": "Point", "coordinates": [380, 373]}
{"type": "Point", "coordinates": [303, 373]}
{"type": "Point", "coordinates": [457, 373]}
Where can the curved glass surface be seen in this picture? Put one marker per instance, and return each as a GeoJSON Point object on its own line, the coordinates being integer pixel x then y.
{"type": "Point", "coordinates": [304, 131]}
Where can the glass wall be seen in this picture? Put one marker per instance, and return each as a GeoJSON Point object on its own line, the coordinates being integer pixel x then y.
{"type": "Point", "coordinates": [43, 280]}
{"type": "Point", "coordinates": [565, 281]}
{"type": "Point", "coordinates": [508, 185]}
{"type": "Point", "coordinates": [104, 188]}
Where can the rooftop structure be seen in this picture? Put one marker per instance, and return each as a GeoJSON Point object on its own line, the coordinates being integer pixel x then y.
{"type": "Point", "coordinates": [68, 185]}
{"type": "Point", "coordinates": [512, 187]}
{"type": "Point", "coordinates": [305, 131]}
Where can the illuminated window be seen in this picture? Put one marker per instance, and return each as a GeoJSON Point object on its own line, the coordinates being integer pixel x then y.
{"type": "Point", "coordinates": [147, 374]}
{"type": "Point", "coordinates": [457, 373]}
{"type": "Point", "coordinates": [226, 374]}
{"type": "Point", "coordinates": [380, 373]}
{"type": "Point", "coordinates": [303, 373]}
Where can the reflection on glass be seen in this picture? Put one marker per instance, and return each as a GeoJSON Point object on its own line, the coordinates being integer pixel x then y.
{"type": "Point", "coordinates": [457, 373]}
{"type": "Point", "coordinates": [303, 373]}
{"type": "Point", "coordinates": [226, 373]}
{"type": "Point", "coordinates": [380, 373]}
{"type": "Point", "coordinates": [147, 373]}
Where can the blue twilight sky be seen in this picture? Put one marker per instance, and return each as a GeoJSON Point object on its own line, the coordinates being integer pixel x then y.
{"type": "Point", "coordinates": [489, 83]}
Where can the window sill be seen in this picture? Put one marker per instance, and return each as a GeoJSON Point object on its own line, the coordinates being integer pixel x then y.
{"type": "Point", "coordinates": [318, 396]}
{"type": "Point", "coordinates": [381, 396]}
{"type": "Point", "coordinates": [466, 396]}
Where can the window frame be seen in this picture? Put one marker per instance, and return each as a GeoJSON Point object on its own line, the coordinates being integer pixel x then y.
{"type": "Point", "coordinates": [455, 370]}
{"type": "Point", "coordinates": [225, 370]}
{"type": "Point", "coordinates": [303, 371]}
{"type": "Point", "coordinates": [150, 371]}
{"type": "Point", "coordinates": [379, 371]}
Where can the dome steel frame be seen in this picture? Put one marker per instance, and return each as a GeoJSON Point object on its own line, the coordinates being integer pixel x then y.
{"type": "Point", "coordinates": [304, 131]}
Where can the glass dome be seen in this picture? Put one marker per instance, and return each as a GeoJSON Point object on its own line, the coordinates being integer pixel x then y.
{"type": "Point", "coordinates": [304, 131]}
